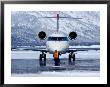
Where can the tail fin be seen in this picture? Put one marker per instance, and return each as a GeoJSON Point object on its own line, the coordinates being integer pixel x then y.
{"type": "Point", "coordinates": [58, 17]}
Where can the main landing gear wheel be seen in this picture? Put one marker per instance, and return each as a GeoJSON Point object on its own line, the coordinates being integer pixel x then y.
{"type": "Point", "coordinates": [71, 56]}
{"type": "Point", "coordinates": [42, 59]}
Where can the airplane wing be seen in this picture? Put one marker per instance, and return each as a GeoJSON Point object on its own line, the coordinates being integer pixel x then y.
{"type": "Point", "coordinates": [81, 49]}
{"type": "Point", "coordinates": [42, 49]}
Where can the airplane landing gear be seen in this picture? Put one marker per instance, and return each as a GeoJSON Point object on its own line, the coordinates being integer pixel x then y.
{"type": "Point", "coordinates": [71, 56]}
{"type": "Point", "coordinates": [42, 59]}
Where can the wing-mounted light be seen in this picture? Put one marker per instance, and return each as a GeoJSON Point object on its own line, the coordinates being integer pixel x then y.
{"type": "Point", "coordinates": [42, 35]}
{"type": "Point", "coordinates": [72, 35]}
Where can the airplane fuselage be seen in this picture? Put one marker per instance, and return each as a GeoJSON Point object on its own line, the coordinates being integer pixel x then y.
{"type": "Point", "coordinates": [57, 41]}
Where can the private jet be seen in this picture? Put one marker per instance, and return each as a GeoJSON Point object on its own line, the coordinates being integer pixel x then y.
{"type": "Point", "coordinates": [58, 43]}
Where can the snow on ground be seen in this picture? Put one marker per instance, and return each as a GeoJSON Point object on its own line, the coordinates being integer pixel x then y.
{"type": "Point", "coordinates": [35, 54]}
{"type": "Point", "coordinates": [91, 54]}
{"type": "Point", "coordinates": [72, 73]}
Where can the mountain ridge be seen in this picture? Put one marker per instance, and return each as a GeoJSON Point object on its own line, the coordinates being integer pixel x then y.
{"type": "Point", "coordinates": [25, 26]}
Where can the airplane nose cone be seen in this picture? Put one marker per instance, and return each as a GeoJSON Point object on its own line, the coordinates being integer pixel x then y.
{"type": "Point", "coordinates": [57, 45]}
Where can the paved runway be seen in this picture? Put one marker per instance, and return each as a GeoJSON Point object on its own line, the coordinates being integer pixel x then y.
{"type": "Point", "coordinates": [25, 66]}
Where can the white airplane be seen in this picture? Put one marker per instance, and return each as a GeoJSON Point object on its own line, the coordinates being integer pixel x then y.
{"type": "Point", "coordinates": [58, 43]}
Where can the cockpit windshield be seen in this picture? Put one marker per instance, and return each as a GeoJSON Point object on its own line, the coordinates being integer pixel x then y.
{"type": "Point", "coordinates": [57, 39]}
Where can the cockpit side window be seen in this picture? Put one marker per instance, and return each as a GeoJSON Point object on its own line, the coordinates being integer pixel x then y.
{"type": "Point", "coordinates": [57, 39]}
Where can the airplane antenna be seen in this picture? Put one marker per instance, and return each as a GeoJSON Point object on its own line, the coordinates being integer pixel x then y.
{"type": "Point", "coordinates": [57, 22]}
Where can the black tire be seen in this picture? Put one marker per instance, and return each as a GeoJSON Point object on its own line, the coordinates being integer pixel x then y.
{"type": "Point", "coordinates": [40, 57]}
{"type": "Point", "coordinates": [69, 57]}
{"type": "Point", "coordinates": [42, 63]}
{"type": "Point", "coordinates": [44, 57]}
{"type": "Point", "coordinates": [42, 60]}
{"type": "Point", "coordinates": [73, 57]}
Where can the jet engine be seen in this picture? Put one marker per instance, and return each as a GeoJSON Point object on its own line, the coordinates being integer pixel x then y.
{"type": "Point", "coordinates": [72, 35]}
{"type": "Point", "coordinates": [42, 35]}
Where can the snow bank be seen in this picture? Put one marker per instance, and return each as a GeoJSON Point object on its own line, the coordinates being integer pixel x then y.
{"type": "Point", "coordinates": [73, 73]}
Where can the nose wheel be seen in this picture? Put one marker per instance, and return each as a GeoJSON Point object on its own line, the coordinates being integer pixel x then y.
{"type": "Point", "coordinates": [42, 59]}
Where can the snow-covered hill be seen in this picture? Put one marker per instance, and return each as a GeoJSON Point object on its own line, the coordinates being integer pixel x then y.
{"type": "Point", "coordinates": [25, 26]}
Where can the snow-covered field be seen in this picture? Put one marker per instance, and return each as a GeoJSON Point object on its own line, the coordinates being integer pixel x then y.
{"type": "Point", "coordinates": [35, 54]}
{"type": "Point", "coordinates": [72, 73]}
{"type": "Point", "coordinates": [25, 26]}
{"type": "Point", "coordinates": [88, 56]}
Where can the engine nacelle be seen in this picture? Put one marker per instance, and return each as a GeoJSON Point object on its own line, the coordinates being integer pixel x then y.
{"type": "Point", "coordinates": [72, 35]}
{"type": "Point", "coordinates": [42, 35]}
